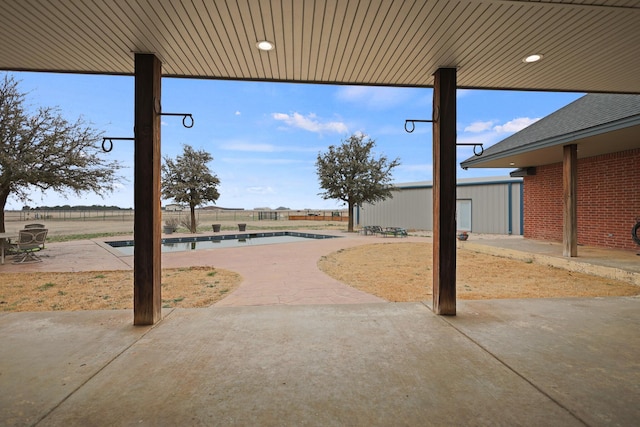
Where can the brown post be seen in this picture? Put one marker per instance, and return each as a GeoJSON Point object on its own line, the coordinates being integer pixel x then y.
{"type": "Point", "coordinates": [444, 191]}
{"type": "Point", "coordinates": [570, 200]}
{"type": "Point", "coordinates": [147, 217]}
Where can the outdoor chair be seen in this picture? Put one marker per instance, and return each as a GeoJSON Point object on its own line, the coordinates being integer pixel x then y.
{"type": "Point", "coordinates": [28, 226]}
{"type": "Point", "coordinates": [28, 243]}
{"type": "Point", "coordinates": [32, 227]}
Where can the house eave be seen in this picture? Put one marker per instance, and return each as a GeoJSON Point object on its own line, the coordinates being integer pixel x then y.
{"type": "Point", "coordinates": [611, 137]}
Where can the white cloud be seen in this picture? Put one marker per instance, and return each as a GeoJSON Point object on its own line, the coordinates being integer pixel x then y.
{"type": "Point", "coordinates": [486, 134]}
{"type": "Point", "coordinates": [482, 141]}
{"type": "Point", "coordinates": [515, 125]}
{"type": "Point", "coordinates": [483, 138]}
{"type": "Point", "coordinates": [461, 93]}
{"type": "Point", "coordinates": [238, 113]}
{"type": "Point", "coordinates": [359, 133]}
{"type": "Point", "coordinates": [310, 123]}
{"type": "Point", "coordinates": [479, 126]}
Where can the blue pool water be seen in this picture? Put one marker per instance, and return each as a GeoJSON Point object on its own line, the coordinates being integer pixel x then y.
{"type": "Point", "coordinates": [181, 244]}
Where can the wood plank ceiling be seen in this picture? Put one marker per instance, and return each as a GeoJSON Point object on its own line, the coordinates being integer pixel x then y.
{"type": "Point", "coordinates": [588, 45]}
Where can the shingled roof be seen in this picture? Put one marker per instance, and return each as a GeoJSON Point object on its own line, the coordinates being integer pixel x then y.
{"type": "Point", "coordinates": [586, 122]}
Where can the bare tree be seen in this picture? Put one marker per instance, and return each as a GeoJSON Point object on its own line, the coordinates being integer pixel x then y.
{"type": "Point", "coordinates": [45, 151]}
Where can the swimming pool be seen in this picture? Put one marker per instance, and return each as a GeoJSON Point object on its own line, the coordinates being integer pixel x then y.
{"type": "Point", "coordinates": [181, 244]}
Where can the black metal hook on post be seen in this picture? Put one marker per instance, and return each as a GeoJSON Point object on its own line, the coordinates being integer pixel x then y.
{"type": "Point", "coordinates": [158, 110]}
{"type": "Point", "coordinates": [478, 154]}
{"type": "Point", "coordinates": [108, 147]}
{"type": "Point", "coordinates": [111, 139]}
{"type": "Point", "coordinates": [435, 119]}
{"type": "Point", "coordinates": [184, 118]}
{"type": "Point", "coordinates": [413, 124]}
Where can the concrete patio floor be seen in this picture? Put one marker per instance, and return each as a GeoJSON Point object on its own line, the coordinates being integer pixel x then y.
{"type": "Point", "coordinates": [558, 362]}
{"type": "Point", "coordinates": [503, 362]}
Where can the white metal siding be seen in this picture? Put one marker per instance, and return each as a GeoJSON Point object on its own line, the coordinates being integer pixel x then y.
{"type": "Point", "coordinates": [489, 207]}
{"type": "Point", "coordinates": [411, 207]}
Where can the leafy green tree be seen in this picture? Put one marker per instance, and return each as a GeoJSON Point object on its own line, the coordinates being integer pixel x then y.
{"type": "Point", "coordinates": [351, 173]}
{"type": "Point", "coordinates": [188, 179]}
{"type": "Point", "coordinates": [42, 150]}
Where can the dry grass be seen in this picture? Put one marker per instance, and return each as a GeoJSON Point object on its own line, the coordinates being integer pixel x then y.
{"type": "Point", "coordinates": [402, 272]}
{"type": "Point", "coordinates": [393, 271]}
{"type": "Point", "coordinates": [105, 290]}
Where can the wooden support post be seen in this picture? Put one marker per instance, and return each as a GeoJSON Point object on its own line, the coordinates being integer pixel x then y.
{"type": "Point", "coordinates": [444, 192]}
{"type": "Point", "coordinates": [570, 200]}
{"type": "Point", "coordinates": [147, 301]}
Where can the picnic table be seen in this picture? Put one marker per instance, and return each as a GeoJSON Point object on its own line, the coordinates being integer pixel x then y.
{"type": "Point", "coordinates": [395, 232]}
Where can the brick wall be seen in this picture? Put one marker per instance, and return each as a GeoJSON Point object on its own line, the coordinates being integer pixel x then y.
{"type": "Point", "coordinates": [608, 200]}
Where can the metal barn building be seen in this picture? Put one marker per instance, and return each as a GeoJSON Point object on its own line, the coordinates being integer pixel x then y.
{"type": "Point", "coordinates": [483, 205]}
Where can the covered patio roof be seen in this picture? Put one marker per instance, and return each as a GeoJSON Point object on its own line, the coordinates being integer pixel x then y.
{"type": "Point", "coordinates": [587, 45]}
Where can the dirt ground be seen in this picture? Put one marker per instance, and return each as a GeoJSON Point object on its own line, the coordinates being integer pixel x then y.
{"type": "Point", "coordinates": [402, 272]}
{"type": "Point", "coordinates": [393, 271]}
{"type": "Point", "coordinates": [106, 290]}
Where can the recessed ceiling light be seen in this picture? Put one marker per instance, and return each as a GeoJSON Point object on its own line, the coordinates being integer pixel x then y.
{"type": "Point", "coordinates": [265, 45]}
{"type": "Point", "coordinates": [533, 58]}
{"type": "Point", "coordinates": [512, 164]}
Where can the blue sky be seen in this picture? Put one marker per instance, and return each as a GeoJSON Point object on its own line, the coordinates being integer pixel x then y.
{"type": "Point", "coordinates": [265, 137]}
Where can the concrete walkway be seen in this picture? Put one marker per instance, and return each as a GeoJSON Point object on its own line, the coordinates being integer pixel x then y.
{"type": "Point", "coordinates": [281, 274]}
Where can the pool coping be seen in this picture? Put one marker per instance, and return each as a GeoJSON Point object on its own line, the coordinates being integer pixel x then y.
{"type": "Point", "coordinates": [113, 245]}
